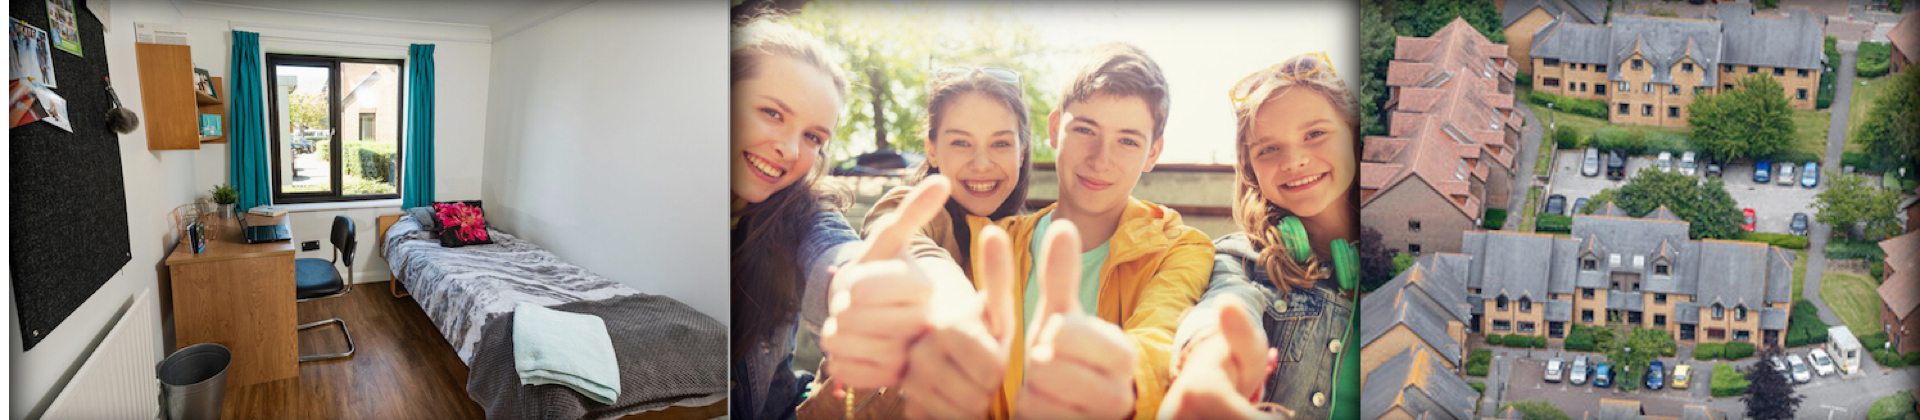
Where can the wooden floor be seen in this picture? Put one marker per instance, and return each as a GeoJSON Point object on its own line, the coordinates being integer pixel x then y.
{"type": "Point", "coordinates": [401, 369]}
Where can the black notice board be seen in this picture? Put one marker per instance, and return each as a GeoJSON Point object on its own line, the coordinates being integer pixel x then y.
{"type": "Point", "coordinates": [69, 214]}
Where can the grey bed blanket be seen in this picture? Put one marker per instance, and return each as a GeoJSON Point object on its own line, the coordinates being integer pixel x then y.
{"type": "Point", "coordinates": [669, 355]}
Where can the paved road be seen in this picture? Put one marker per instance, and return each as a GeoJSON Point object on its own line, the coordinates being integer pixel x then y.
{"type": "Point", "coordinates": [1498, 374]}
{"type": "Point", "coordinates": [1523, 173]}
{"type": "Point", "coordinates": [1516, 376]}
{"type": "Point", "coordinates": [1836, 144]}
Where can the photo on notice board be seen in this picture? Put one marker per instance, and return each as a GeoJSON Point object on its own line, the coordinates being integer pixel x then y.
{"type": "Point", "coordinates": [31, 54]}
{"type": "Point", "coordinates": [1656, 209]}
{"type": "Point", "coordinates": [1098, 210]}
{"type": "Point", "coordinates": [64, 26]}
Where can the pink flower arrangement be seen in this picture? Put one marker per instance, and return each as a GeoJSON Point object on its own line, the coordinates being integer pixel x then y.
{"type": "Point", "coordinates": [464, 221]}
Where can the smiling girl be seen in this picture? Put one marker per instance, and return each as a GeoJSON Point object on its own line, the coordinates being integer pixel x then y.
{"type": "Point", "coordinates": [1296, 160]}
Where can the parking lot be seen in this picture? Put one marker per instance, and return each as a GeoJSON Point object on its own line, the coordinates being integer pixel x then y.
{"type": "Point", "coordinates": [1583, 401]}
{"type": "Point", "coordinates": [1773, 204]}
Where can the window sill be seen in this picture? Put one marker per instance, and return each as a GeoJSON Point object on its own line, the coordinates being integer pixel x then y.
{"type": "Point", "coordinates": [341, 205]}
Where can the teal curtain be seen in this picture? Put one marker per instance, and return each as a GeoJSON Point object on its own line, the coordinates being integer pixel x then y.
{"type": "Point", "coordinates": [247, 149]}
{"type": "Point", "coordinates": [416, 169]}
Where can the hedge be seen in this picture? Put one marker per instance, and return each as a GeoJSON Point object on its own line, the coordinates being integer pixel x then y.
{"type": "Point", "coordinates": [1874, 340]}
{"type": "Point", "coordinates": [1805, 326]}
{"type": "Point", "coordinates": [1478, 362]}
{"type": "Point", "coordinates": [1496, 340]}
{"type": "Point", "coordinates": [1841, 249]}
{"type": "Point", "coordinates": [1519, 341]}
{"type": "Point", "coordinates": [1728, 382]}
{"type": "Point", "coordinates": [1539, 341]}
{"type": "Point", "coordinates": [1480, 386]}
{"type": "Point", "coordinates": [1737, 350]}
{"type": "Point", "coordinates": [1707, 351]}
{"type": "Point", "coordinates": [1824, 98]}
{"type": "Point", "coordinates": [1799, 157]}
{"type": "Point", "coordinates": [1566, 137]}
{"type": "Point", "coordinates": [1586, 107]}
{"type": "Point", "coordinates": [1548, 222]}
{"type": "Point", "coordinates": [1641, 142]}
{"type": "Point", "coordinates": [1495, 219]}
{"type": "Point", "coordinates": [1783, 240]}
{"type": "Point", "coordinates": [1580, 339]}
{"type": "Point", "coordinates": [1872, 60]}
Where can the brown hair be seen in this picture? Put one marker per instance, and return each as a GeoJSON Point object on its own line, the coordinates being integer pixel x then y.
{"type": "Point", "coordinates": [942, 91]}
{"type": "Point", "coordinates": [1260, 218]}
{"type": "Point", "coordinates": [767, 274]}
{"type": "Point", "coordinates": [1121, 69]}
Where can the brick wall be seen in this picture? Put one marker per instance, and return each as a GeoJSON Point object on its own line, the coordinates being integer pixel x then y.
{"type": "Point", "coordinates": [1440, 222]}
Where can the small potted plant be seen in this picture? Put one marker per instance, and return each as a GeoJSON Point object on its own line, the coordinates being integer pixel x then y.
{"type": "Point", "coordinates": [225, 196]}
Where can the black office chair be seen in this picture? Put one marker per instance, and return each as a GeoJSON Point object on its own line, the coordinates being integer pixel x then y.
{"type": "Point", "coordinates": [316, 278]}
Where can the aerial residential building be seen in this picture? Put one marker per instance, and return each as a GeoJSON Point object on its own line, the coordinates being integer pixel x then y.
{"type": "Point", "coordinates": [1905, 40]}
{"type": "Point", "coordinates": [1520, 19]}
{"type": "Point", "coordinates": [1425, 306]}
{"type": "Point", "coordinates": [1452, 137]}
{"type": "Point", "coordinates": [1900, 291]}
{"type": "Point", "coordinates": [1642, 272]}
{"type": "Point", "coordinates": [1648, 69]}
{"type": "Point", "coordinates": [1414, 384]}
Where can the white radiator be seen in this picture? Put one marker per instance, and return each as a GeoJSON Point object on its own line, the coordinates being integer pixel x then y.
{"type": "Point", "coordinates": [118, 380]}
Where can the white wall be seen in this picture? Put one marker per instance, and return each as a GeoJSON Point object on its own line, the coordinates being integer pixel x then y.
{"type": "Point", "coordinates": [462, 55]}
{"type": "Point", "coordinates": [156, 181]}
{"type": "Point", "coordinates": [607, 144]}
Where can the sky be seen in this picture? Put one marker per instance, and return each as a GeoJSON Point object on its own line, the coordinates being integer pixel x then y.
{"type": "Point", "coordinates": [1204, 49]}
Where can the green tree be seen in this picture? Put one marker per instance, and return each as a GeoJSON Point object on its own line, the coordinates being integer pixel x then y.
{"type": "Point", "coordinates": [1892, 127]}
{"type": "Point", "coordinates": [1706, 206]}
{"type": "Point", "coordinates": [891, 48]}
{"type": "Point", "coordinates": [1852, 200]}
{"type": "Point", "coordinates": [1376, 51]}
{"type": "Point", "coordinates": [307, 110]}
{"type": "Point", "coordinates": [1770, 396]}
{"type": "Point", "coordinates": [1376, 264]}
{"type": "Point", "coordinates": [1537, 410]}
{"type": "Point", "coordinates": [1633, 351]}
{"type": "Point", "coordinates": [1751, 121]}
{"type": "Point", "coordinates": [1421, 18]}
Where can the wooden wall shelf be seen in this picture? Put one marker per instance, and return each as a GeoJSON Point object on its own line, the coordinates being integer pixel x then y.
{"type": "Point", "coordinates": [171, 104]}
{"type": "Point", "coordinates": [215, 106]}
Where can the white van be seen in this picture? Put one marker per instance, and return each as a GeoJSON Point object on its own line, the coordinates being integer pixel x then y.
{"type": "Point", "coordinates": [1844, 348]}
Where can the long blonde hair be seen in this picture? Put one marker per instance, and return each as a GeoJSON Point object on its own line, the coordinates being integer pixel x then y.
{"type": "Point", "coordinates": [1260, 218]}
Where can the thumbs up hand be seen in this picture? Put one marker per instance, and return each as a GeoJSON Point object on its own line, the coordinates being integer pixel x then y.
{"type": "Point", "coordinates": [955, 370]}
{"type": "Point", "coordinates": [1221, 373]}
{"type": "Point", "coordinates": [1078, 366]}
{"type": "Point", "coordinates": [880, 304]}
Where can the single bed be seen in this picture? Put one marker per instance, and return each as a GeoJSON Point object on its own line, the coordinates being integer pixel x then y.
{"type": "Point", "coordinates": [469, 293]}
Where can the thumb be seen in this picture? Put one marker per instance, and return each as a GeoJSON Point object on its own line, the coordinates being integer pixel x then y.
{"type": "Point", "coordinates": [996, 282]}
{"type": "Point", "coordinates": [1060, 271]}
{"type": "Point", "coordinates": [889, 235]}
{"type": "Point", "coordinates": [1247, 343]}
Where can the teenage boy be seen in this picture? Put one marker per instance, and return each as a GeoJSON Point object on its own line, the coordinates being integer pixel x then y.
{"type": "Point", "coordinates": [1140, 266]}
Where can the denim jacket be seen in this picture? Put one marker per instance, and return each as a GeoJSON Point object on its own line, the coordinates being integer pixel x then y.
{"type": "Point", "coordinates": [764, 384]}
{"type": "Point", "coordinates": [1305, 326]}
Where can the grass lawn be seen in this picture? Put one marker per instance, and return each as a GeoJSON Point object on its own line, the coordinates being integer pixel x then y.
{"type": "Point", "coordinates": [1810, 131]}
{"type": "Point", "coordinates": [1862, 102]}
{"type": "Point", "coordinates": [1852, 297]}
{"type": "Point", "coordinates": [1810, 127]}
{"type": "Point", "coordinates": [1799, 274]}
{"type": "Point", "coordinates": [1898, 406]}
{"type": "Point", "coordinates": [1527, 213]}
{"type": "Point", "coordinates": [1587, 125]}
{"type": "Point", "coordinates": [1543, 163]}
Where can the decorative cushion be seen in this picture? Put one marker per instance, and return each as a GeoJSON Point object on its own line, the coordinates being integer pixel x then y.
{"type": "Point", "coordinates": [461, 224]}
{"type": "Point", "coordinates": [424, 216]}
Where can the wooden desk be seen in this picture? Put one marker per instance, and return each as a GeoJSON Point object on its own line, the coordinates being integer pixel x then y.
{"type": "Point", "coordinates": [241, 296]}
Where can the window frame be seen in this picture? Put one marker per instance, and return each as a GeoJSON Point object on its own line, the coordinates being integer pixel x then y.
{"type": "Point", "coordinates": [337, 174]}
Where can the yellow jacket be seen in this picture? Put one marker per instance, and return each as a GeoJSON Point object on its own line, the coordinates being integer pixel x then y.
{"type": "Point", "coordinates": [1156, 268]}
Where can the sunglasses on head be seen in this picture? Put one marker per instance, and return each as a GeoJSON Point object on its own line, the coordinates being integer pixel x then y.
{"type": "Point", "coordinates": [1004, 75]}
{"type": "Point", "coordinates": [1296, 68]}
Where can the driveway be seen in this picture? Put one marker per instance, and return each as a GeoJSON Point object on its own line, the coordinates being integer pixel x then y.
{"type": "Point", "coordinates": [1583, 401]}
{"type": "Point", "coordinates": [1819, 233]}
{"type": "Point", "coordinates": [1523, 178]}
{"type": "Point", "coordinates": [1773, 204]}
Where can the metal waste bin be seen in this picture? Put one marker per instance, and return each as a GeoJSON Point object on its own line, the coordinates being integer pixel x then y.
{"type": "Point", "coordinates": [193, 381]}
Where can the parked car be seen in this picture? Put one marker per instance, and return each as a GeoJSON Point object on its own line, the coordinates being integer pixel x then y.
{"type": "Point", "coordinates": [301, 146]}
{"type": "Point", "coordinates": [1577, 372]}
{"type": "Point", "coordinates": [1682, 376]}
{"type": "Point", "coordinates": [1713, 168]}
{"type": "Point", "coordinates": [1762, 171]}
{"type": "Point", "coordinates": [1555, 369]}
{"type": "Point", "coordinates": [1748, 224]}
{"type": "Point", "coordinates": [1688, 166]}
{"type": "Point", "coordinates": [1656, 375]}
{"type": "Point", "coordinates": [1617, 164]}
{"type": "Point", "coordinates": [1799, 226]}
{"type": "Point", "coordinates": [1800, 372]}
{"type": "Point", "coordinates": [1602, 375]}
{"type": "Point", "coordinates": [1810, 175]}
{"type": "Point", "coordinates": [1783, 175]}
{"type": "Point", "coordinates": [1780, 365]}
{"type": "Point", "coordinates": [1590, 164]}
{"type": "Point", "coordinates": [1663, 162]}
{"type": "Point", "coordinates": [1822, 364]}
{"type": "Point", "coordinates": [1578, 204]}
{"type": "Point", "coordinates": [1557, 204]}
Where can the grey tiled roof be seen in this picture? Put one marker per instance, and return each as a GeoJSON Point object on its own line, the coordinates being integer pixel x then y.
{"type": "Point", "coordinates": [1620, 410]}
{"type": "Point", "coordinates": [1623, 300]}
{"type": "Point", "coordinates": [1773, 319]}
{"type": "Point", "coordinates": [1415, 381]}
{"type": "Point", "coordinates": [1572, 42]}
{"type": "Point", "coordinates": [1780, 275]}
{"type": "Point", "coordinates": [1583, 11]}
{"type": "Point", "coordinates": [1663, 42]}
{"type": "Point", "coordinates": [1729, 272]}
{"type": "Point", "coordinates": [1521, 269]}
{"type": "Point", "coordinates": [1701, 412]}
{"type": "Point", "coordinates": [1565, 267]}
{"type": "Point", "coordinates": [1407, 300]}
{"type": "Point", "coordinates": [1795, 41]}
{"type": "Point", "coordinates": [1559, 310]}
{"type": "Point", "coordinates": [1686, 313]}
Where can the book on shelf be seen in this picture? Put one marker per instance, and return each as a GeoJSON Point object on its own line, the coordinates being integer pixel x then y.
{"type": "Point", "coordinates": [209, 125]}
{"type": "Point", "coordinates": [269, 211]}
{"type": "Point", "coordinates": [203, 82]}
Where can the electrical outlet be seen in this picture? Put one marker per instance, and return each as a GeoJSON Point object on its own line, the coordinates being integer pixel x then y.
{"type": "Point", "coordinates": [310, 246]}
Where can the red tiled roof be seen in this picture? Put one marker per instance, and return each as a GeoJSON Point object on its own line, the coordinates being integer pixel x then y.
{"type": "Point", "coordinates": [1447, 111]}
{"type": "Point", "coordinates": [1903, 252]}
{"type": "Point", "coordinates": [1905, 36]}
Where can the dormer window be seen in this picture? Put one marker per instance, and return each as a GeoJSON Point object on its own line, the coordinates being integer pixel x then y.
{"type": "Point", "coordinates": [1662, 269]}
{"type": "Point", "coordinates": [1637, 64]}
{"type": "Point", "coordinates": [1589, 264]}
{"type": "Point", "coordinates": [1740, 313]}
{"type": "Point", "coordinates": [1686, 67]}
{"type": "Point", "coordinates": [1500, 303]}
{"type": "Point", "coordinates": [1719, 312]}
{"type": "Point", "coordinates": [1526, 305]}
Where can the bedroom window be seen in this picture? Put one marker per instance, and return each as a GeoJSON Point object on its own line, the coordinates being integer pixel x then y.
{"type": "Point", "coordinates": [336, 127]}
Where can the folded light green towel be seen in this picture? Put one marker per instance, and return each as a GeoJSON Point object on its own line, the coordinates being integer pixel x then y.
{"type": "Point", "coordinates": [565, 348]}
